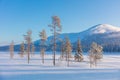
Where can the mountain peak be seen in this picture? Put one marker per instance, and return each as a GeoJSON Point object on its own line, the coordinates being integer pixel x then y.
{"type": "Point", "coordinates": [104, 28]}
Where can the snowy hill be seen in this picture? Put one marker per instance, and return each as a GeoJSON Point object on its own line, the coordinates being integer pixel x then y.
{"type": "Point", "coordinates": [98, 29]}
{"type": "Point", "coordinates": [103, 28]}
{"type": "Point", "coordinates": [104, 34]}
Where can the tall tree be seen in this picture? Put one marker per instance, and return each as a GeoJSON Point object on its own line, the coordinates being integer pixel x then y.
{"type": "Point", "coordinates": [11, 48]}
{"type": "Point", "coordinates": [78, 56]}
{"type": "Point", "coordinates": [43, 38]}
{"type": "Point", "coordinates": [56, 29]}
{"type": "Point", "coordinates": [28, 41]}
{"type": "Point", "coordinates": [68, 50]}
{"type": "Point", "coordinates": [22, 48]}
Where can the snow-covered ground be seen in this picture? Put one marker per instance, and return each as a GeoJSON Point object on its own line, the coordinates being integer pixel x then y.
{"type": "Point", "coordinates": [18, 69]}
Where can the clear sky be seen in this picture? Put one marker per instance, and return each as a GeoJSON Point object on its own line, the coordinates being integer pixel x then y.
{"type": "Point", "coordinates": [17, 16]}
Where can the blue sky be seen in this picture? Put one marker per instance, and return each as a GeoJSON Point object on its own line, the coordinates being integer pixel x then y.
{"type": "Point", "coordinates": [17, 16]}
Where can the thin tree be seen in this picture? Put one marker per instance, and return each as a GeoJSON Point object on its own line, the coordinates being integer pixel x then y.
{"type": "Point", "coordinates": [62, 47]}
{"type": "Point", "coordinates": [43, 38]}
{"type": "Point", "coordinates": [42, 52]}
{"type": "Point", "coordinates": [56, 29]}
{"type": "Point", "coordinates": [62, 50]}
{"type": "Point", "coordinates": [33, 49]}
{"type": "Point", "coordinates": [11, 48]}
{"type": "Point", "coordinates": [79, 56]}
{"type": "Point", "coordinates": [22, 48]}
{"type": "Point", "coordinates": [68, 51]}
{"type": "Point", "coordinates": [28, 41]}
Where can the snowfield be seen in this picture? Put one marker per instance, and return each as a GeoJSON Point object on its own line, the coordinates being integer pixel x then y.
{"type": "Point", "coordinates": [18, 69]}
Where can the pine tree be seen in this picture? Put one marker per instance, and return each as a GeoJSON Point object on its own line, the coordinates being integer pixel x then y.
{"type": "Point", "coordinates": [68, 50]}
{"type": "Point", "coordinates": [11, 48]}
{"type": "Point", "coordinates": [56, 29]}
{"type": "Point", "coordinates": [28, 41]}
{"type": "Point", "coordinates": [79, 55]}
{"type": "Point", "coordinates": [22, 49]}
{"type": "Point", "coordinates": [43, 38]}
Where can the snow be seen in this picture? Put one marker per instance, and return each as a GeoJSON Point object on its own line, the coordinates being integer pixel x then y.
{"type": "Point", "coordinates": [18, 69]}
{"type": "Point", "coordinates": [105, 28]}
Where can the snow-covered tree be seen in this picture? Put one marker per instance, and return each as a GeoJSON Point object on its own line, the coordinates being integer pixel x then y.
{"type": "Point", "coordinates": [68, 49]}
{"type": "Point", "coordinates": [43, 38]}
{"type": "Point", "coordinates": [95, 53]}
{"type": "Point", "coordinates": [99, 52]}
{"type": "Point", "coordinates": [28, 39]}
{"type": "Point", "coordinates": [22, 48]}
{"type": "Point", "coordinates": [56, 29]}
{"type": "Point", "coordinates": [78, 55]}
{"type": "Point", "coordinates": [11, 48]}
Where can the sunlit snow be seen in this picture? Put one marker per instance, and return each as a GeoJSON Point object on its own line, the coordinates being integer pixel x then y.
{"type": "Point", "coordinates": [17, 68]}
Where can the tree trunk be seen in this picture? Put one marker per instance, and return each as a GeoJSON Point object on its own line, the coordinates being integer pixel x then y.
{"type": "Point", "coordinates": [43, 59]}
{"type": "Point", "coordinates": [54, 46]}
{"type": "Point", "coordinates": [68, 59]}
{"type": "Point", "coordinates": [28, 52]}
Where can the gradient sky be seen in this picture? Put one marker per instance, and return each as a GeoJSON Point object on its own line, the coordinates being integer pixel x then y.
{"type": "Point", "coordinates": [17, 16]}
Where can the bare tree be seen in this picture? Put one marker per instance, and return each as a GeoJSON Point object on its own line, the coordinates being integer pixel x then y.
{"type": "Point", "coordinates": [11, 48]}
{"type": "Point", "coordinates": [56, 29]}
{"type": "Point", "coordinates": [28, 41]}
{"type": "Point", "coordinates": [68, 50]}
{"type": "Point", "coordinates": [22, 49]}
{"type": "Point", "coordinates": [43, 38]}
{"type": "Point", "coordinates": [79, 56]}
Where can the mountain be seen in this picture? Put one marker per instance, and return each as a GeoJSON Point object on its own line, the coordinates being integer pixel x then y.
{"type": "Point", "coordinates": [104, 34]}
{"type": "Point", "coordinates": [103, 28]}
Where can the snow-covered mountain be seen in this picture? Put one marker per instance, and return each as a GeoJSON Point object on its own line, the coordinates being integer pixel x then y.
{"type": "Point", "coordinates": [104, 34]}
{"type": "Point", "coordinates": [103, 28]}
